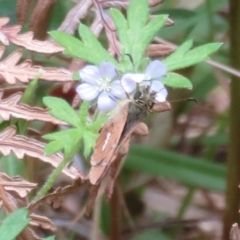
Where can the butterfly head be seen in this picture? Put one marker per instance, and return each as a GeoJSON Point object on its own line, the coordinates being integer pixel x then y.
{"type": "Point", "coordinates": [145, 99]}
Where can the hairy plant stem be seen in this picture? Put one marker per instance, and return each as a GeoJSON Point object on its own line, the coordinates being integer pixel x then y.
{"type": "Point", "coordinates": [51, 179]}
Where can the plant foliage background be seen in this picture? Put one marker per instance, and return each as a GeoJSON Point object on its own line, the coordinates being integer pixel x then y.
{"type": "Point", "coordinates": [179, 182]}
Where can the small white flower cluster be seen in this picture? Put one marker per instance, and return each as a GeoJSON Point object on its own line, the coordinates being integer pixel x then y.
{"type": "Point", "coordinates": [102, 83]}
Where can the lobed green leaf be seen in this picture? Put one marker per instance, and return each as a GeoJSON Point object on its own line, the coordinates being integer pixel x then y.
{"type": "Point", "coordinates": [89, 50]}
{"type": "Point", "coordinates": [176, 80]}
{"type": "Point", "coordinates": [14, 223]}
{"type": "Point", "coordinates": [148, 33]}
{"type": "Point", "coordinates": [179, 53]}
{"type": "Point", "coordinates": [93, 51]}
{"type": "Point", "coordinates": [66, 140]}
{"type": "Point", "coordinates": [183, 58]}
{"type": "Point", "coordinates": [60, 109]}
{"type": "Point", "coordinates": [137, 14]}
{"type": "Point", "coordinates": [73, 46]}
{"type": "Point", "coordinates": [89, 139]}
{"type": "Point", "coordinates": [83, 112]}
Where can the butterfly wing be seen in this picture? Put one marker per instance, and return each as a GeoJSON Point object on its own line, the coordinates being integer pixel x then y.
{"type": "Point", "coordinates": [107, 143]}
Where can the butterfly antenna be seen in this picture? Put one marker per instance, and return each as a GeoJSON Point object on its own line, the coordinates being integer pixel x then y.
{"type": "Point", "coordinates": [192, 99]}
{"type": "Point", "coordinates": [184, 99]}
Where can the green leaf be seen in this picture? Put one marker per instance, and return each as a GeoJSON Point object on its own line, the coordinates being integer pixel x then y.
{"type": "Point", "coordinates": [90, 49]}
{"type": "Point", "coordinates": [148, 33]}
{"type": "Point", "coordinates": [189, 170]}
{"type": "Point", "coordinates": [83, 112]}
{"type": "Point", "coordinates": [122, 31]}
{"type": "Point", "coordinates": [122, 26]}
{"type": "Point", "coordinates": [93, 51]}
{"type": "Point", "coordinates": [204, 50]}
{"type": "Point", "coordinates": [27, 98]}
{"type": "Point", "coordinates": [11, 165]}
{"type": "Point", "coordinates": [14, 224]}
{"type": "Point", "coordinates": [60, 109]}
{"type": "Point", "coordinates": [179, 53]}
{"type": "Point", "coordinates": [136, 33]}
{"type": "Point", "coordinates": [89, 139]}
{"type": "Point", "coordinates": [192, 57]}
{"type": "Point", "coordinates": [137, 15]}
{"type": "Point", "coordinates": [30, 92]}
{"type": "Point", "coordinates": [219, 139]}
{"type": "Point", "coordinates": [50, 238]}
{"type": "Point", "coordinates": [71, 44]}
{"type": "Point", "coordinates": [151, 234]}
{"type": "Point", "coordinates": [68, 140]}
{"type": "Point", "coordinates": [177, 81]}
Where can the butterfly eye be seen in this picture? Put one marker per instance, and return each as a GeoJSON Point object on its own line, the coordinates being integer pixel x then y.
{"type": "Point", "coordinates": [137, 95]}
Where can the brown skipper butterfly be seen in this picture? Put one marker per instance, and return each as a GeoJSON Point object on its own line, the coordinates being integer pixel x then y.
{"type": "Point", "coordinates": [119, 128]}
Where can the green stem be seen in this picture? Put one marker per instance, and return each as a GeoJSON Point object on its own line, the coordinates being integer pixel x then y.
{"type": "Point", "coordinates": [51, 179]}
{"type": "Point", "coordinates": [186, 202]}
{"type": "Point", "coordinates": [210, 19]}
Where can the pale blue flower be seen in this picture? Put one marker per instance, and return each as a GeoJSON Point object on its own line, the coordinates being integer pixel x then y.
{"type": "Point", "coordinates": [159, 89]}
{"type": "Point", "coordinates": [99, 82]}
{"type": "Point", "coordinates": [155, 70]}
{"type": "Point", "coordinates": [152, 78]}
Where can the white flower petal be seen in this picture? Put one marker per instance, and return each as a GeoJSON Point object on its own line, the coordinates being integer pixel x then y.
{"type": "Point", "coordinates": [128, 83]}
{"type": "Point", "coordinates": [107, 70]}
{"type": "Point", "coordinates": [90, 74]}
{"type": "Point", "coordinates": [105, 102]}
{"type": "Point", "coordinates": [87, 92]}
{"type": "Point", "coordinates": [161, 91]}
{"type": "Point", "coordinates": [161, 96]}
{"type": "Point", "coordinates": [155, 69]}
{"type": "Point", "coordinates": [137, 77]}
{"type": "Point", "coordinates": [117, 89]}
{"type": "Point", "coordinates": [156, 86]}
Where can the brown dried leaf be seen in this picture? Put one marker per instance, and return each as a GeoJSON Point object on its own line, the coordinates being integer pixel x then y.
{"type": "Point", "coordinates": [97, 25]}
{"type": "Point", "coordinates": [11, 107]}
{"type": "Point", "coordinates": [57, 194]}
{"type": "Point", "coordinates": [26, 71]}
{"type": "Point", "coordinates": [159, 50]}
{"type": "Point", "coordinates": [42, 221]}
{"type": "Point", "coordinates": [16, 184]}
{"type": "Point", "coordinates": [41, 17]}
{"type": "Point", "coordinates": [154, 3]}
{"type": "Point", "coordinates": [123, 4]}
{"type": "Point", "coordinates": [22, 8]}
{"type": "Point", "coordinates": [74, 16]}
{"type": "Point", "coordinates": [169, 22]}
{"type": "Point", "coordinates": [110, 29]}
{"type": "Point", "coordinates": [11, 34]}
{"type": "Point", "coordinates": [13, 89]}
{"type": "Point", "coordinates": [91, 198]}
{"type": "Point", "coordinates": [115, 4]}
{"type": "Point", "coordinates": [30, 235]}
{"type": "Point", "coordinates": [21, 145]}
{"type": "Point", "coordinates": [234, 232]}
